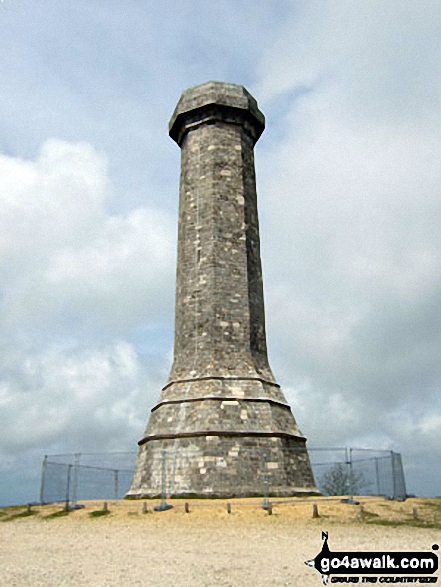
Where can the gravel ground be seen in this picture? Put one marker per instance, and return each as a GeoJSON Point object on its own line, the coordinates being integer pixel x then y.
{"type": "Point", "coordinates": [206, 547]}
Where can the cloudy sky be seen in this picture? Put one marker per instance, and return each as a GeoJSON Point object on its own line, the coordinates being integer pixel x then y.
{"type": "Point", "coordinates": [348, 173]}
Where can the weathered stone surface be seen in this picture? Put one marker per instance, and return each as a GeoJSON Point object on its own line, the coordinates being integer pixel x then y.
{"type": "Point", "coordinates": [223, 466]}
{"type": "Point", "coordinates": [221, 417]}
{"type": "Point", "coordinates": [216, 101]}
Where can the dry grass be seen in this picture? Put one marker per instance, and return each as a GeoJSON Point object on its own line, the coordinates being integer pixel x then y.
{"type": "Point", "coordinates": [372, 510]}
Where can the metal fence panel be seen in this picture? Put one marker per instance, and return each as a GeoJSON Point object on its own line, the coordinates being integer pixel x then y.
{"type": "Point", "coordinates": [337, 471]}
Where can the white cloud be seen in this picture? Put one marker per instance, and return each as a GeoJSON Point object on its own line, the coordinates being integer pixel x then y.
{"type": "Point", "coordinates": [431, 425]}
{"type": "Point", "coordinates": [62, 252]}
{"type": "Point", "coordinates": [383, 56]}
{"type": "Point", "coordinates": [351, 197]}
{"type": "Point", "coordinates": [89, 398]}
{"type": "Point", "coordinates": [53, 201]}
{"type": "Point", "coordinates": [71, 269]}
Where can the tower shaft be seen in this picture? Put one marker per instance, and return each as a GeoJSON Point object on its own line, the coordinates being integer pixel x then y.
{"type": "Point", "coordinates": [222, 422]}
{"type": "Point", "coordinates": [220, 323]}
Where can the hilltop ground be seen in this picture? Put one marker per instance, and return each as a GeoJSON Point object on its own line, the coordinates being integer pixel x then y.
{"type": "Point", "coordinates": [207, 546]}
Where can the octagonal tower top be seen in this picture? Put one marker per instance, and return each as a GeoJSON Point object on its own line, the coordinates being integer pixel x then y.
{"type": "Point", "coordinates": [216, 102]}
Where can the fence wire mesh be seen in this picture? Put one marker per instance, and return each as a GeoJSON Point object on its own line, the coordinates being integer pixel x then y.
{"type": "Point", "coordinates": [337, 471]}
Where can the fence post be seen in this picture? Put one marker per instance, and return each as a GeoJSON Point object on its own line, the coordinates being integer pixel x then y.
{"type": "Point", "coordinates": [351, 477]}
{"type": "Point", "coordinates": [173, 473]}
{"type": "Point", "coordinates": [115, 483]}
{"type": "Point", "coordinates": [43, 479]}
{"type": "Point", "coordinates": [163, 505]}
{"type": "Point", "coordinates": [394, 481]}
{"type": "Point", "coordinates": [399, 483]}
{"type": "Point", "coordinates": [75, 479]}
{"type": "Point", "coordinates": [265, 503]}
{"type": "Point", "coordinates": [163, 477]}
{"type": "Point", "coordinates": [402, 484]}
{"type": "Point", "coordinates": [69, 467]}
{"type": "Point", "coordinates": [377, 475]}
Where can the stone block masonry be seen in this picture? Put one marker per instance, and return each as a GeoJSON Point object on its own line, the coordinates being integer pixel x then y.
{"type": "Point", "coordinates": [222, 418]}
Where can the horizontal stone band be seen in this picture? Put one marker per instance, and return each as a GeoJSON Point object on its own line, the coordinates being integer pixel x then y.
{"type": "Point", "coordinates": [220, 378]}
{"type": "Point", "coordinates": [212, 113]}
{"type": "Point", "coordinates": [197, 433]}
{"type": "Point", "coordinates": [221, 399]}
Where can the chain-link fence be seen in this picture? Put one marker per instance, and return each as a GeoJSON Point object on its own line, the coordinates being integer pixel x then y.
{"type": "Point", "coordinates": [357, 471]}
{"type": "Point", "coordinates": [337, 471]}
{"type": "Point", "coordinates": [70, 477]}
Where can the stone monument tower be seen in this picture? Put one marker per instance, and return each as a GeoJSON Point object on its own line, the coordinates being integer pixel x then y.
{"type": "Point", "coordinates": [222, 425]}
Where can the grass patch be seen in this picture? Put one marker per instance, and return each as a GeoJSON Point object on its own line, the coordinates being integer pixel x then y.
{"type": "Point", "coordinates": [99, 513]}
{"type": "Point", "coordinates": [392, 523]}
{"type": "Point", "coordinates": [406, 523]}
{"type": "Point", "coordinates": [418, 524]}
{"type": "Point", "coordinates": [369, 515]}
{"type": "Point", "coordinates": [11, 517]}
{"type": "Point", "coordinates": [59, 514]}
{"type": "Point", "coordinates": [436, 505]}
{"type": "Point", "coordinates": [25, 514]}
{"type": "Point", "coordinates": [11, 509]}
